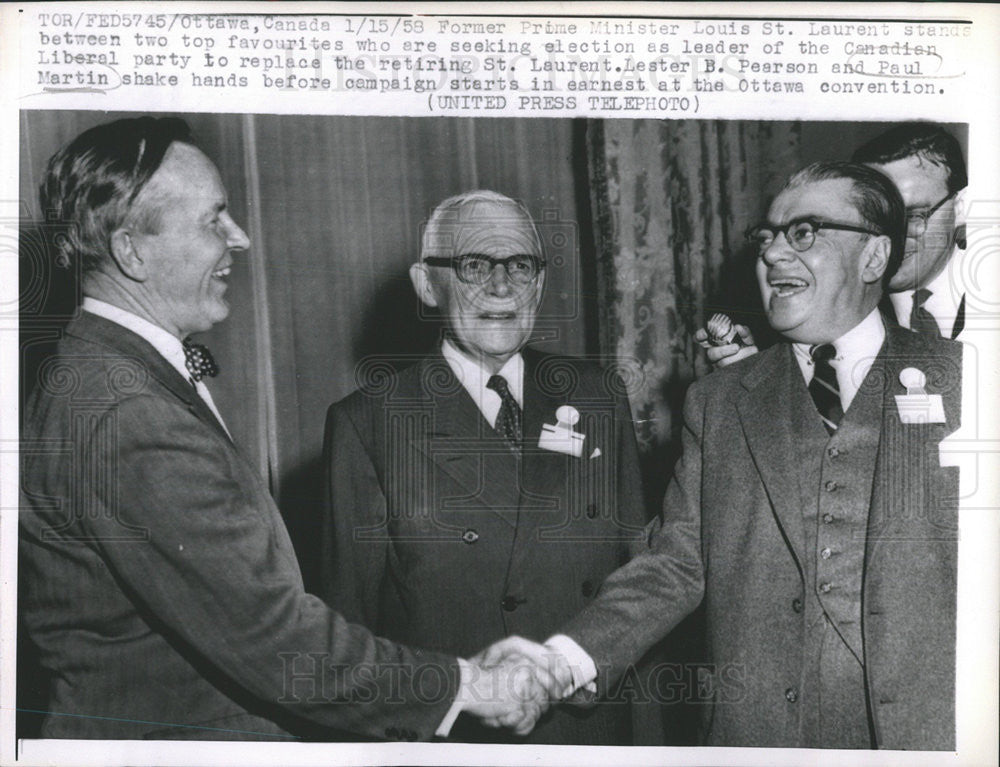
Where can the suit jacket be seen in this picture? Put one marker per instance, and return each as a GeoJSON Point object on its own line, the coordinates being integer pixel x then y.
{"type": "Point", "coordinates": [732, 529]}
{"type": "Point", "coordinates": [436, 534]}
{"type": "Point", "coordinates": [158, 579]}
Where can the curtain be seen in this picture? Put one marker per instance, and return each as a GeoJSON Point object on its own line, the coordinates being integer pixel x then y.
{"type": "Point", "coordinates": [671, 200]}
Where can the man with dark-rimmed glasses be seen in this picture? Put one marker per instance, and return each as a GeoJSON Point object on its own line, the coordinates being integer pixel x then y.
{"type": "Point", "coordinates": [487, 490]}
{"type": "Point", "coordinates": [925, 294]}
{"type": "Point", "coordinates": [808, 510]}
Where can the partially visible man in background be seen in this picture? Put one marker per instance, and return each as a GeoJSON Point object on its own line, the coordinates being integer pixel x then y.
{"type": "Point", "coordinates": [157, 577]}
{"type": "Point", "coordinates": [488, 489]}
{"type": "Point", "coordinates": [925, 163]}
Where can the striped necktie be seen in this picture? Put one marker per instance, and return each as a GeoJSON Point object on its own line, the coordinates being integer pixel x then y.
{"type": "Point", "coordinates": [509, 418]}
{"type": "Point", "coordinates": [823, 387]}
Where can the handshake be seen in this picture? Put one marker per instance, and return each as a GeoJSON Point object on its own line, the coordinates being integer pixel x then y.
{"type": "Point", "coordinates": [513, 682]}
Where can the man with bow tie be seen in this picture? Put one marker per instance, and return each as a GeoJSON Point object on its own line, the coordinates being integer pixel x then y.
{"type": "Point", "coordinates": [157, 578]}
{"type": "Point", "coordinates": [488, 489]}
{"type": "Point", "coordinates": [809, 508]}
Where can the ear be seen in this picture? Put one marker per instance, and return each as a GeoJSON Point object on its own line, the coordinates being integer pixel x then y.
{"type": "Point", "coordinates": [422, 284]}
{"type": "Point", "coordinates": [876, 259]}
{"type": "Point", "coordinates": [126, 257]}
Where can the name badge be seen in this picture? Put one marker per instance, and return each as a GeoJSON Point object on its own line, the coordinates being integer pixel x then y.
{"type": "Point", "coordinates": [561, 437]}
{"type": "Point", "coordinates": [917, 406]}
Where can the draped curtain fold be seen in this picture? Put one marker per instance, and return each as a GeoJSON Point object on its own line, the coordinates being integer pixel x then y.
{"type": "Point", "coordinates": [671, 200]}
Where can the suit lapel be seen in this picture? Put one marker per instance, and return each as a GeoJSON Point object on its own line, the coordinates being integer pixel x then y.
{"type": "Point", "coordinates": [123, 341]}
{"type": "Point", "coordinates": [765, 409]}
{"type": "Point", "coordinates": [464, 446]}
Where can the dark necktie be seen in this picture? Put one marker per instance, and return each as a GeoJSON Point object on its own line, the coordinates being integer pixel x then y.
{"type": "Point", "coordinates": [198, 360]}
{"type": "Point", "coordinates": [921, 320]}
{"type": "Point", "coordinates": [509, 418]}
{"type": "Point", "coordinates": [823, 387]}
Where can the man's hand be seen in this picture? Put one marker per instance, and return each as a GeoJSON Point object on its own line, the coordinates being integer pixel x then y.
{"type": "Point", "coordinates": [727, 354]}
{"type": "Point", "coordinates": [512, 692]}
{"type": "Point", "coordinates": [517, 680]}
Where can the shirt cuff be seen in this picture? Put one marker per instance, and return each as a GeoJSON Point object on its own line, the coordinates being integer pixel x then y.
{"type": "Point", "coordinates": [581, 665]}
{"type": "Point", "coordinates": [464, 678]}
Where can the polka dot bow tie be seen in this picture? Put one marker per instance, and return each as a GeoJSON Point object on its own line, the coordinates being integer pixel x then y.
{"type": "Point", "coordinates": [198, 360]}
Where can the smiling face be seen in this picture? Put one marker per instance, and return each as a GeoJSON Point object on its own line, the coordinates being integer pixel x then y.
{"type": "Point", "coordinates": [819, 294]}
{"type": "Point", "coordinates": [922, 185]}
{"type": "Point", "coordinates": [188, 258]}
{"type": "Point", "coordinates": [489, 322]}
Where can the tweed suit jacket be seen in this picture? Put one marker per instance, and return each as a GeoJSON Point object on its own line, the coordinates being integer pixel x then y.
{"type": "Point", "coordinates": [436, 534]}
{"type": "Point", "coordinates": [732, 530]}
{"type": "Point", "coordinates": [158, 580]}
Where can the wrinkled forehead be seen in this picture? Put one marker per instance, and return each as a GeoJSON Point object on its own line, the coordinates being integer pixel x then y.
{"type": "Point", "coordinates": [828, 199]}
{"type": "Point", "coordinates": [489, 227]}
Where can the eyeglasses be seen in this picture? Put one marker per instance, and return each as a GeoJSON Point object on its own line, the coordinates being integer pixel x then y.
{"type": "Point", "coordinates": [916, 220]}
{"type": "Point", "coordinates": [476, 268]}
{"type": "Point", "coordinates": [800, 232]}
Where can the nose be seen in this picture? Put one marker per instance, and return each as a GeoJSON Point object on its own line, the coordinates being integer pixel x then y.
{"type": "Point", "coordinates": [499, 282]}
{"type": "Point", "coordinates": [778, 250]}
{"type": "Point", "coordinates": [236, 238]}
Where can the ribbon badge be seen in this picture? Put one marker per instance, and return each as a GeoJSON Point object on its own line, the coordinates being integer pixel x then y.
{"type": "Point", "coordinates": [561, 437]}
{"type": "Point", "coordinates": [917, 406]}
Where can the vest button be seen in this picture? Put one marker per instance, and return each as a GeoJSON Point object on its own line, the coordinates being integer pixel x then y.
{"type": "Point", "coordinates": [831, 485]}
{"type": "Point", "coordinates": [825, 553]}
{"type": "Point", "coordinates": [791, 695]}
{"type": "Point", "coordinates": [470, 536]}
{"type": "Point", "coordinates": [797, 605]}
{"type": "Point", "coordinates": [509, 603]}
{"type": "Point", "coordinates": [833, 451]}
{"type": "Point", "coordinates": [825, 587]}
{"type": "Point", "coordinates": [827, 519]}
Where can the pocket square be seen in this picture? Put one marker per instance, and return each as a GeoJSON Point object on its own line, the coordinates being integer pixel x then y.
{"type": "Point", "coordinates": [596, 453]}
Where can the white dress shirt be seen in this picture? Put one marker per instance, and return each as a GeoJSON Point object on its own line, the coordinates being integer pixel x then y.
{"type": "Point", "coordinates": [856, 351]}
{"type": "Point", "coordinates": [168, 345]}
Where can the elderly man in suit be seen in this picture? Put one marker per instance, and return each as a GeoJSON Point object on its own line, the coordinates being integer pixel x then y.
{"type": "Point", "coordinates": [157, 578]}
{"type": "Point", "coordinates": [488, 489]}
{"type": "Point", "coordinates": [809, 508]}
{"type": "Point", "coordinates": [925, 163]}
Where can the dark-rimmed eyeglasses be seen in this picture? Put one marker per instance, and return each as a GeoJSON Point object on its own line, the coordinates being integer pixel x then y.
{"type": "Point", "coordinates": [916, 220]}
{"type": "Point", "coordinates": [477, 269]}
{"type": "Point", "coordinates": [799, 232]}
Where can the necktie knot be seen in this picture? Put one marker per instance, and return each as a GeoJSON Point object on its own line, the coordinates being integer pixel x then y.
{"type": "Point", "coordinates": [920, 296]}
{"type": "Point", "coordinates": [198, 360]}
{"type": "Point", "coordinates": [823, 353]}
{"type": "Point", "coordinates": [499, 385]}
{"type": "Point", "coordinates": [508, 423]}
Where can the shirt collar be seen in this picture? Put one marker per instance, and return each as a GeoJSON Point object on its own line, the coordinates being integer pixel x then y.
{"type": "Point", "coordinates": [863, 340]}
{"type": "Point", "coordinates": [474, 377]}
{"type": "Point", "coordinates": [168, 345]}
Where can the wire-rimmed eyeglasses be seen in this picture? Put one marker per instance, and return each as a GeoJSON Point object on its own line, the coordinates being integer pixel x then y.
{"type": "Point", "coordinates": [916, 220]}
{"type": "Point", "coordinates": [477, 269]}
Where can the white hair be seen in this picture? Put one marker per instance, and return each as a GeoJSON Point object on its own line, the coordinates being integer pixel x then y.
{"type": "Point", "coordinates": [439, 231]}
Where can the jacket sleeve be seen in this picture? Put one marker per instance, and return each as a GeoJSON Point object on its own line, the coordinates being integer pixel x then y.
{"type": "Point", "coordinates": [218, 573]}
{"type": "Point", "coordinates": [642, 601]}
{"type": "Point", "coordinates": [355, 521]}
